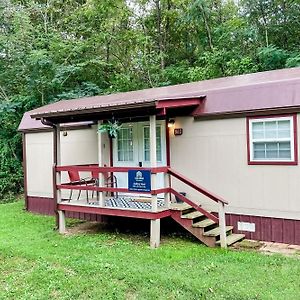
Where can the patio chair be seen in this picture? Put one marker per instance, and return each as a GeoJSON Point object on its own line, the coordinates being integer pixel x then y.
{"type": "Point", "coordinates": [75, 179]}
{"type": "Point", "coordinates": [109, 181]}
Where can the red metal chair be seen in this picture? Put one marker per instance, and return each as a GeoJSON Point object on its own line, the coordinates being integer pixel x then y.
{"type": "Point", "coordinates": [75, 179]}
{"type": "Point", "coordinates": [109, 181]}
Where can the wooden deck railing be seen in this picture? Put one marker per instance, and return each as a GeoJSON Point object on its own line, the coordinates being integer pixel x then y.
{"type": "Point", "coordinates": [196, 186]}
{"type": "Point", "coordinates": [167, 189]}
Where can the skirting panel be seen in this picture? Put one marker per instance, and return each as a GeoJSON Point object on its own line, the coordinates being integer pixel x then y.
{"type": "Point", "coordinates": [45, 206]}
{"type": "Point", "coordinates": [41, 205]}
{"type": "Point", "coordinates": [266, 228]}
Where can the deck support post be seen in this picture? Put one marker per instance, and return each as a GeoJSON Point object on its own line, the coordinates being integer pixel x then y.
{"type": "Point", "coordinates": [61, 221]}
{"type": "Point", "coordinates": [155, 233]}
{"type": "Point", "coordinates": [155, 224]}
{"type": "Point", "coordinates": [222, 224]}
{"type": "Point", "coordinates": [100, 195]}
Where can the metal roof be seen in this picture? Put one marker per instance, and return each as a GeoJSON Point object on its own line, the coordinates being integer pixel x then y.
{"type": "Point", "coordinates": [29, 124]}
{"type": "Point", "coordinates": [243, 93]}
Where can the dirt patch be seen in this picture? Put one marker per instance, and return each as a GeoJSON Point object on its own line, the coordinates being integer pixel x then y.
{"type": "Point", "coordinates": [269, 248]}
{"type": "Point", "coordinates": [132, 234]}
{"type": "Point", "coordinates": [248, 244]}
{"type": "Point", "coordinates": [85, 228]}
{"type": "Point", "coordinates": [90, 227]}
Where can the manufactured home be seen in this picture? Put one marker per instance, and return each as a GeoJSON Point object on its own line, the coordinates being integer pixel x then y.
{"type": "Point", "coordinates": [219, 156]}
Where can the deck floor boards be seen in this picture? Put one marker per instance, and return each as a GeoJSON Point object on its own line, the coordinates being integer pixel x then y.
{"type": "Point", "coordinates": [120, 202]}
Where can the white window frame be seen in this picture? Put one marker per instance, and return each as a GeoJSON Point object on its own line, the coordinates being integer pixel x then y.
{"type": "Point", "coordinates": [291, 139]}
{"type": "Point", "coordinates": [129, 128]}
{"type": "Point", "coordinates": [159, 159]}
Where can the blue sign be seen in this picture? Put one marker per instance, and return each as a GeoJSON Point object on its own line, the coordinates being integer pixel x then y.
{"type": "Point", "coordinates": [139, 180]}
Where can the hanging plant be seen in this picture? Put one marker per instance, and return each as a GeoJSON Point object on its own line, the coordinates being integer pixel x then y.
{"type": "Point", "coordinates": [111, 128]}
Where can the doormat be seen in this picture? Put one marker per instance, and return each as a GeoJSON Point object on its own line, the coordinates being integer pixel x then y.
{"type": "Point", "coordinates": [143, 200]}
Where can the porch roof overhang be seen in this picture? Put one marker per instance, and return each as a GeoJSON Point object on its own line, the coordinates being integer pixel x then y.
{"type": "Point", "coordinates": [79, 111]}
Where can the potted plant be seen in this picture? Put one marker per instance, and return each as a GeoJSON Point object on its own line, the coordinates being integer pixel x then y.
{"type": "Point", "coordinates": [111, 128]}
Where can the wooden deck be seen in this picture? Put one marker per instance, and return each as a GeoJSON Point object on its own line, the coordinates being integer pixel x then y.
{"type": "Point", "coordinates": [188, 214]}
{"type": "Point", "coordinates": [118, 206]}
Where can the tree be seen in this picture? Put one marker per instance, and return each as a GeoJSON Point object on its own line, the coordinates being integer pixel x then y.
{"type": "Point", "coordinates": [63, 49]}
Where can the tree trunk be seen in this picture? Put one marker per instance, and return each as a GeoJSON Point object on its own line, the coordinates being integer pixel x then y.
{"type": "Point", "coordinates": [207, 27]}
{"type": "Point", "coordinates": [265, 23]}
{"type": "Point", "coordinates": [159, 32]}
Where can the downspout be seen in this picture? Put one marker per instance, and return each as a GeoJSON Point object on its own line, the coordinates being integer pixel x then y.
{"type": "Point", "coordinates": [48, 123]}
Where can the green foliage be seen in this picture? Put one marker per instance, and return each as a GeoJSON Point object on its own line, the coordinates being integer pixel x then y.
{"type": "Point", "coordinates": [53, 50]}
{"type": "Point", "coordinates": [272, 58]}
{"type": "Point", "coordinates": [112, 128]}
{"type": "Point", "coordinates": [293, 61]}
{"type": "Point", "coordinates": [9, 197]}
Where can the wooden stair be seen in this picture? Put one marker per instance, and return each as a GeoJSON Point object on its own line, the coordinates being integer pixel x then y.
{"type": "Point", "coordinates": [204, 229]}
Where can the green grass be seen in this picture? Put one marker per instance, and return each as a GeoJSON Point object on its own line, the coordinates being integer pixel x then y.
{"type": "Point", "coordinates": [38, 263]}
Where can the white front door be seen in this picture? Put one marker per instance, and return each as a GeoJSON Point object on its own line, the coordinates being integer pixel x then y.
{"type": "Point", "coordinates": [132, 149]}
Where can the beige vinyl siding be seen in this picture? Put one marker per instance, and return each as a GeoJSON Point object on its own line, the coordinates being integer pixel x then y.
{"type": "Point", "coordinates": [39, 161]}
{"type": "Point", "coordinates": [78, 147]}
{"type": "Point", "coordinates": [214, 154]}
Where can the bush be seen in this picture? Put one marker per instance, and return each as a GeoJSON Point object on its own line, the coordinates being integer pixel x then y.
{"type": "Point", "coordinates": [8, 198]}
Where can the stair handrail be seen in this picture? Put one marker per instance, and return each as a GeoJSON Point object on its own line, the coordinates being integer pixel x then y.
{"type": "Point", "coordinates": [196, 186]}
{"type": "Point", "coordinates": [221, 203]}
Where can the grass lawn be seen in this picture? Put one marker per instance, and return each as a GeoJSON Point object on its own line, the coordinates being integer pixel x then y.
{"type": "Point", "coordinates": [38, 263]}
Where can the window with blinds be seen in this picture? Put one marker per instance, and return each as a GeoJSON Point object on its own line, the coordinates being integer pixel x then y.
{"type": "Point", "coordinates": [272, 139]}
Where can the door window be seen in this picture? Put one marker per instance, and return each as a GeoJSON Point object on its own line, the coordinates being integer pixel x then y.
{"type": "Point", "coordinates": [125, 144]}
{"type": "Point", "coordinates": [146, 132]}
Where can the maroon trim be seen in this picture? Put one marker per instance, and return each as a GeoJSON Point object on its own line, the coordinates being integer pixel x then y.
{"type": "Point", "coordinates": [25, 170]}
{"type": "Point", "coordinates": [178, 103]}
{"type": "Point", "coordinates": [168, 152]}
{"type": "Point", "coordinates": [91, 168]}
{"type": "Point", "coordinates": [46, 206]}
{"type": "Point", "coordinates": [295, 126]}
{"type": "Point", "coordinates": [107, 189]}
{"type": "Point", "coordinates": [41, 205]}
{"type": "Point", "coordinates": [95, 168]}
{"type": "Point", "coordinates": [197, 187]}
{"type": "Point", "coordinates": [268, 229]}
{"type": "Point", "coordinates": [160, 191]}
{"type": "Point", "coordinates": [54, 181]}
{"type": "Point", "coordinates": [161, 112]}
{"type": "Point", "coordinates": [194, 205]}
{"type": "Point", "coordinates": [115, 212]}
{"type": "Point", "coordinates": [245, 113]}
{"type": "Point", "coordinates": [111, 156]}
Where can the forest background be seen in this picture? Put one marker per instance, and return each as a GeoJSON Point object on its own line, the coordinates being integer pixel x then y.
{"type": "Point", "coordinates": [63, 49]}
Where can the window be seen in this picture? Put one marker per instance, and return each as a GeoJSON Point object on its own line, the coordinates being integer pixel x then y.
{"type": "Point", "coordinates": [147, 143]}
{"type": "Point", "coordinates": [272, 140]}
{"type": "Point", "coordinates": [125, 144]}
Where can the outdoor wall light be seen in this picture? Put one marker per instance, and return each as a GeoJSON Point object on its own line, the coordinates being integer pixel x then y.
{"type": "Point", "coordinates": [171, 123]}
